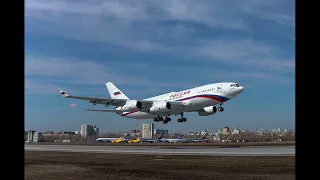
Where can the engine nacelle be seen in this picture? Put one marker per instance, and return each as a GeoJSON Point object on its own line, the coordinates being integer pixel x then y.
{"type": "Point", "coordinates": [160, 107]}
{"type": "Point", "coordinates": [208, 111]}
{"type": "Point", "coordinates": [131, 105]}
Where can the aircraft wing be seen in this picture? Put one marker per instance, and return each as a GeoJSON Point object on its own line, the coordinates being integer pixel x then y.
{"type": "Point", "coordinates": [105, 110]}
{"type": "Point", "coordinates": [94, 101]}
{"type": "Point", "coordinates": [115, 102]}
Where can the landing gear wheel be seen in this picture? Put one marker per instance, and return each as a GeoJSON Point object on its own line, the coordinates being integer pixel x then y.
{"type": "Point", "coordinates": [182, 119]}
{"type": "Point", "coordinates": [166, 120]}
{"type": "Point", "coordinates": [220, 109]}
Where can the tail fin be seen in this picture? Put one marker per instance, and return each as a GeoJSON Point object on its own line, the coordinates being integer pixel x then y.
{"type": "Point", "coordinates": [205, 135]}
{"type": "Point", "coordinates": [160, 136]}
{"type": "Point", "coordinates": [180, 137]}
{"type": "Point", "coordinates": [114, 92]}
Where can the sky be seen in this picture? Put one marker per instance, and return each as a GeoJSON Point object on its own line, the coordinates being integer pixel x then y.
{"type": "Point", "coordinates": [150, 47]}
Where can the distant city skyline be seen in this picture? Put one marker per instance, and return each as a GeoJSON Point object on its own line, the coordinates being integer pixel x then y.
{"type": "Point", "coordinates": [139, 127]}
{"type": "Point", "coordinates": [147, 48]}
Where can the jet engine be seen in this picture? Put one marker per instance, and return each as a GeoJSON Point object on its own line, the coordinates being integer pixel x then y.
{"type": "Point", "coordinates": [131, 105]}
{"type": "Point", "coordinates": [207, 111]}
{"type": "Point", "coordinates": [160, 107]}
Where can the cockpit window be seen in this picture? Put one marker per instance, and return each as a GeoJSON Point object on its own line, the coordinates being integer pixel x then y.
{"type": "Point", "coordinates": [235, 85]}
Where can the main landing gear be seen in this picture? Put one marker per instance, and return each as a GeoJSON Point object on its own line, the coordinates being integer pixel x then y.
{"type": "Point", "coordinates": [182, 119]}
{"type": "Point", "coordinates": [220, 108]}
{"type": "Point", "coordinates": [164, 120]}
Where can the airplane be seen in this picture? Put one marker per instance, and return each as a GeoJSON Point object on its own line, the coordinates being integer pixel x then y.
{"type": "Point", "coordinates": [121, 140]}
{"type": "Point", "coordinates": [173, 140]}
{"type": "Point", "coordinates": [202, 99]}
{"type": "Point", "coordinates": [203, 139]}
{"type": "Point", "coordinates": [106, 140]}
{"type": "Point", "coordinates": [149, 140]}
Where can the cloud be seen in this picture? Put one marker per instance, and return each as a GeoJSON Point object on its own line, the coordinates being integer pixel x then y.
{"type": "Point", "coordinates": [73, 105]}
{"type": "Point", "coordinates": [43, 74]}
{"type": "Point", "coordinates": [210, 31]}
{"type": "Point", "coordinates": [74, 71]}
{"type": "Point", "coordinates": [147, 23]}
{"type": "Point", "coordinates": [255, 77]}
{"type": "Point", "coordinates": [280, 18]}
{"type": "Point", "coordinates": [34, 87]}
{"type": "Point", "coordinates": [249, 54]}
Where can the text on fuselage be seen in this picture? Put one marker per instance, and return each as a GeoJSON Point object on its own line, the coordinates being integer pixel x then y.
{"type": "Point", "coordinates": [179, 95]}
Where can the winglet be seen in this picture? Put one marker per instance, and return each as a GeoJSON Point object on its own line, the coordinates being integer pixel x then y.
{"type": "Point", "coordinates": [63, 93]}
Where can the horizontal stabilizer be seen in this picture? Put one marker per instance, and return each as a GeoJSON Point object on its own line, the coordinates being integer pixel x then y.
{"type": "Point", "coordinates": [105, 110]}
{"type": "Point", "coordinates": [63, 93]}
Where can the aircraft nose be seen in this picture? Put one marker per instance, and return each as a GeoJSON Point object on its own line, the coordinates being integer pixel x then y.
{"type": "Point", "coordinates": [240, 89]}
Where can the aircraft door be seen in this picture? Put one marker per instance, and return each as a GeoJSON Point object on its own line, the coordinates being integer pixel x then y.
{"type": "Point", "coordinates": [219, 88]}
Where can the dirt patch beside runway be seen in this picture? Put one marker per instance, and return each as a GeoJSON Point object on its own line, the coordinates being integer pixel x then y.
{"type": "Point", "coordinates": [88, 166]}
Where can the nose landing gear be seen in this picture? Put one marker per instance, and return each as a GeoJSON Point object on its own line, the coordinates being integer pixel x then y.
{"type": "Point", "coordinates": [220, 108]}
{"type": "Point", "coordinates": [182, 119]}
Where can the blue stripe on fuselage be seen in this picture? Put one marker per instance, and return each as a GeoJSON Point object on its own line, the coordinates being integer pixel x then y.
{"type": "Point", "coordinates": [210, 96]}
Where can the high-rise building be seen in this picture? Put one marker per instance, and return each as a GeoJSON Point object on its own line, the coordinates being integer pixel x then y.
{"type": "Point", "coordinates": [226, 130]}
{"type": "Point", "coordinates": [37, 137]}
{"type": "Point", "coordinates": [30, 136]}
{"type": "Point", "coordinates": [87, 130]}
{"type": "Point", "coordinates": [96, 131]}
{"type": "Point", "coordinates": [147, 130]}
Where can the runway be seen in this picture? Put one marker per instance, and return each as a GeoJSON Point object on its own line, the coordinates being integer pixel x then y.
{"type": "Point", "coordinates": [177, 150]}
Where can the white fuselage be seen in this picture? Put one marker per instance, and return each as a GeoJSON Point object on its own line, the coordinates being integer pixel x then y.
{"type": "Point", "coordinates": [195, 98]}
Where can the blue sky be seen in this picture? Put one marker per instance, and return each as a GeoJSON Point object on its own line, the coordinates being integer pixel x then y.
{"type": "Point", "coordinates": [149, 47]}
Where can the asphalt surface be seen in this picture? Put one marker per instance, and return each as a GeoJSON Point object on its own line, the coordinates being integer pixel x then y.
{"type": "Point", "coordinates": [160, 150]}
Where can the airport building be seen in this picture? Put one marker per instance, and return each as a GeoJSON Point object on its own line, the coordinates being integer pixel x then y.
{"type": "Point", "coordinates": [147, 130]}
{"type": "Point", "coordinates": [225, 131]}
{"type": "Point", "coordinates": [158, 132]}
{"type": "Point", "coordinates": [38, 137]}
{"type": "Point", "coordinates": [236, 131]}
{"type": "Point", "coordinates": [89, 130]}
{"type": "Point", "coordinates": [30, 136]}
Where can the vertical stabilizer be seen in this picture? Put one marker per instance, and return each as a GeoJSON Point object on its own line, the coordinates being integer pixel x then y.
{"type": "Point", "coordinates": [160, 136]}
{"type": "Point", "coordinates": [204, 137]}
{"type": "Point", "coordinates": [114, 92]}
